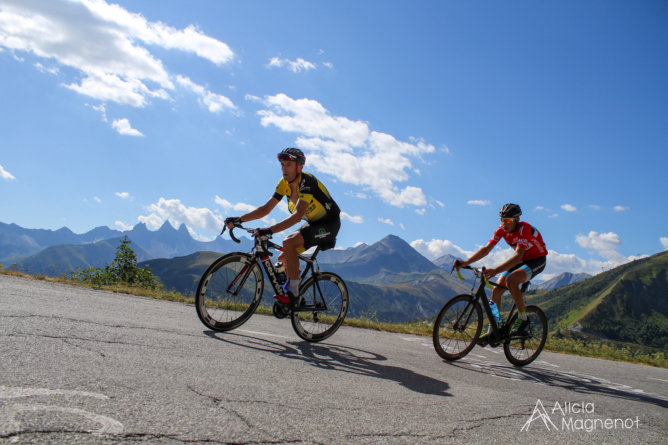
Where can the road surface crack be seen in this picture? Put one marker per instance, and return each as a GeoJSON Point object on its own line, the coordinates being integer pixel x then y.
{"type": "Point", "coordinates": [64, 338]}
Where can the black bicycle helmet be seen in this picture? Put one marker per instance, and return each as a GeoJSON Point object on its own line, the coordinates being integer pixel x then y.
{"type": "Point", "coordinates": [510, 211]}
{"type": "Point", "coordinates": [292, 154]}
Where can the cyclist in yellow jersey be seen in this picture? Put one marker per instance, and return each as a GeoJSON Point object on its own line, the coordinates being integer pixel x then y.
{"type": "Point", "coordinates": [307, 199]}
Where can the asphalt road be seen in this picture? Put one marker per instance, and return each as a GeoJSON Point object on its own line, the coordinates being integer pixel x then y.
{"type": "Point", "coordinates": [84, 366]}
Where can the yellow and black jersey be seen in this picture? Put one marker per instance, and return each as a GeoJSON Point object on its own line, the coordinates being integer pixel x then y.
{"type": "Point", "coordinates": [321, 206]}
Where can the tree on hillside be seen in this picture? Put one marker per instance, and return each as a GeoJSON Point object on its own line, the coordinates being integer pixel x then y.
{"type": "Point", "coordinates": [123, 270]}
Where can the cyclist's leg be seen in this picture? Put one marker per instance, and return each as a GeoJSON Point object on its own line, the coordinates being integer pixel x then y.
{"type": "Point", "coordinates": [293, 244]}
{"type": "Point", "coordinates": [513, 282]}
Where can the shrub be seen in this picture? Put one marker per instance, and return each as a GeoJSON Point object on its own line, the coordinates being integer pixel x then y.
{"type": "Point", "coordinates": [123, 270]}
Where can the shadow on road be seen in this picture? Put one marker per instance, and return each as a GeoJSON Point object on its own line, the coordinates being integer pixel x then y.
{"type": "Point", "coordinates": [569, 380]}
{"type": "Point", "coordinates": [339, 358]}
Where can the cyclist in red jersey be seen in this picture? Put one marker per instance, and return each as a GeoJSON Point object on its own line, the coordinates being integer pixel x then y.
{"type": "Point", "coordinates": [528, 261]}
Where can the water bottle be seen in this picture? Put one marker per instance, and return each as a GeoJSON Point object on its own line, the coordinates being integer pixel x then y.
{"type": "Point", "coordinates": [280, 272]}
{"type": "Point", "coordinates": [495, 312]}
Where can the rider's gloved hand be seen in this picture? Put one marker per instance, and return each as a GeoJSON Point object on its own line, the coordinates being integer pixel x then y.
{"type": "Point", "coordinates": [262, 232]}
{"type": "Point", "coordinates": [234, 220]}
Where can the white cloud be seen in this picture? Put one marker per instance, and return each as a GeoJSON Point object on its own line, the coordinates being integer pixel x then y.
{"type": "Point", "coordinates": [402, 226]}
{"type": "Point", "coordinates": [569, 208]}
{"type": "Point", "coordinates": [357, 195]}
{"type": "Point", "coordinates": [195, 236]}
{"type": "Point", "coordinates": [601, 242]}
{"type": "Point", "coordinates": [539, 208]}
{"type": "Point", "coordinates": [4, 174]}
{"type": "Point", "coordinates": [664, 242]}
{"type": "Point", "coordinates": [556, 263]}
{"type": "Point", "coordinates": [296, 66]}
{"type": "Point", "coordinates": [386, 221]}
{"type": "Point", "coordinates": [104, 42]}
{"type": "Point", "coordinates": [355, 219]}
{"type": "Point", "coordinates": [328, 64]}
{"type": "Point", "coordinates": [283, 207]}
{"type": "Point", "coordinates": [479, 202]}
{"type": "Point", "coordinates": [348, 150]}
{"type": "Point", "coordinates": [214, 102]}
{"type": "Point", "coordinates": [554, 215]}
{"type": "Point", "coordinates": [124, 195]}
{"type": "Point", "coordinates": [440, 203]}
{"type": "Point", "coordinates": [620, 208]}
{"type": "Point", "coordinates": [239, 207]}
{"type": "Point", "coordinates": [102, 109]}
{"type": "Point", "coordinates": [177, 214]}
{"type": "Point", "coordinates": [45, 70]}
{"type": "Point", "coordinates": [420, 211]}
{"type": "Point", "coordinates": [252, 98]}
{"type": "Point", "coordinates": [96, 199]}
{"type": "Point", "coordinates": [124, 227]}
{"type": "Point", "coordinates": [123, 127]}
{"type": "Point", "coordinates": [595, 207]}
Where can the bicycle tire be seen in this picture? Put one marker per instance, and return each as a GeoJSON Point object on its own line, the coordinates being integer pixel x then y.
{"type": "Point", "coordinates": [522, 351]}
{"type": "Point", "coordinates": [314, 326]}
{"type": "Point", "coordinates": [453, 341]}
{"type": "Point", "coordinates": [218, 308]}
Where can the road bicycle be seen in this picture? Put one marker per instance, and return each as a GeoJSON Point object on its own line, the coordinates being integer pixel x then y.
{"type": "Point", "coordinates": [459, 323]}
{"type": "Point", "coordinates": [232, 287]}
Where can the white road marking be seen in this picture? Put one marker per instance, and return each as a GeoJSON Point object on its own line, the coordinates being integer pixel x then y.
{"type": "Point", "coordinates": [109, 425]}
{"type": "Point", "coordinates": [661, 380]}
{"type": "Point", "coordinates": [15, 393]}
{"type": "Point", "coordinates": [263, 333]}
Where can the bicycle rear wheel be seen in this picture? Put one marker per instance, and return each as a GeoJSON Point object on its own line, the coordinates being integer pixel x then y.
{"type": "Point", "coordinates": [229, 292]}
{"type": "Point", "coordinates": [522, 350]}
{"type": "Point", "coordinates": [316, 325]}
{"type": "Point", "coordinates": [457, 327]}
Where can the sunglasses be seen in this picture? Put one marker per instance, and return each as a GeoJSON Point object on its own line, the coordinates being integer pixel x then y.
{"type": "Point", "coordinates": [508, 220]}
{"type": "Point", "coordinates": [287, 157]}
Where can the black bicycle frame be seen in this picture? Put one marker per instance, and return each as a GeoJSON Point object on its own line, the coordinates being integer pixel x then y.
{"type": "Point", "coordinates": [262, 255]}
{"type": "Point", "coordinates": [499, 335]}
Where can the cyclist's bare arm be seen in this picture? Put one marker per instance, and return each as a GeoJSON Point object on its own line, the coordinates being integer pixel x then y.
{"type": "Point", "coordinates": [258, 213]}
{"type": "Point", "coordinates": [291, 220]}
{"type": "Point", "coordinates": [480, 254]}
{"type": "Point", "coordinates": [515, 259]}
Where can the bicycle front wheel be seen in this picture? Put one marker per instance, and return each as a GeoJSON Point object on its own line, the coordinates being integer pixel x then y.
{"type": "Point", "coordinates": [229, 292]}
{"type": "Point", "coordinates": [457, 327]}
{"type": "Point", "coordinates": [327, 294]}
{"type": "Point", "coordinates": [521, 350]}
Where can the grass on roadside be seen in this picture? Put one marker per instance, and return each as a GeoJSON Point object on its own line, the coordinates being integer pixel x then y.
{"type": "Point", "coordinates": [573, 346]}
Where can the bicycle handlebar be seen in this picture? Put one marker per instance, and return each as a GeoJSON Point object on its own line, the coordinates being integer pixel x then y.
{"type": "Point", "coordinates": [478, 273]}
{"type": "Point", "coordinates": [242, 228]}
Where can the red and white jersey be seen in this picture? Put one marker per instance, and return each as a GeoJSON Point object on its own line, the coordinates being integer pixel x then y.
{"type": "Point", "coordinates": [525, 235]}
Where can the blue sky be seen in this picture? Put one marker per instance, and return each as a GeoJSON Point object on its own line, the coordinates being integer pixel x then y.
{"type": "Point", "coordinates": [421, 119]}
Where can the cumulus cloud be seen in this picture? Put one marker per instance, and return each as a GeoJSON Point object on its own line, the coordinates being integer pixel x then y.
{"type": "Point", "coordinates": [177, 214]}
{"type": "Point", "coordinates": [355, 219]}
{"type": "Point", "coordinates": [664, 242]}
{"type": "Point", "coordinates": [386, 221]}
{"type": "Point", "coordinates": [106, 43]}
{"type": "Point", "coordinates": [124, 227]}
{"type": "Point", "coordinates": [569, 208]}
{"type": "Point", "coordinates": [328, 64]}
{"type": "Point", "coordinates": [123, 127]}
{"type": "Point", "coordinates": [349, 150]}
{"type": "Point", "coordinates": [620, 208]}
{"type": "Point", "coordinates": [595, 207]}
{"type": "Point", "coordinates": [4, 174]}
{"type": "Point", "coordinates": [539, 208]}
{"type": "Point", "coordinates": [124, 195]}
{"type": "Point", "coordinates": [440, 203]}
{"type": "Point", "coordinates": [102, 109]}
{"type": "Point", "coordinates": [557, 263]}
{"type": "Point", "coordinates": [296, 66]}
{"type": "Point", "coordinates": [214, 102]}
{"type": "Point", "coordinates": [96, 199]}
{"type": "Point", "coordinates": [554, 215]}
{"type": "Point", "coordinates": [420, 211]}
{"type": "Point", "coordinates": [596, 241]}
{"type": "Point", "coordinates": [479, 202]}
{"type": "Point", "coordinates": [239, 207]}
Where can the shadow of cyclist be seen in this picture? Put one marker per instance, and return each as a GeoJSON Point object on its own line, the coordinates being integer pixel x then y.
{"type": "Point", "coordinates": [339, 358]}
{"type": "Point", "coordinates": [572, 381]}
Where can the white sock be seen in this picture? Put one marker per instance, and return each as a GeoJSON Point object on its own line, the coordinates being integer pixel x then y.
{"type": "Point", "coordinates": [294, 287]}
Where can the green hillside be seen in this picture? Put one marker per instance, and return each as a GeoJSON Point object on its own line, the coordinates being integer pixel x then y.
{"type": "Point", "coordinates": [55, 260]}
{"type": "Point", "coordinates": [181, 273]}
{"type": "Point", "coordinates": [628, 303]}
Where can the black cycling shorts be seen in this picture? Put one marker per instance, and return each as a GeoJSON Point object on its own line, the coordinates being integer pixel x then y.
{"type": "Point", "coordinates": [532, 268]}
{"type": "Point", "coordinates": [317, 232]}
